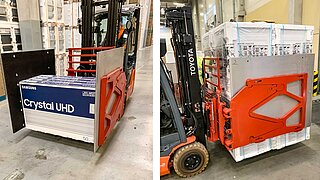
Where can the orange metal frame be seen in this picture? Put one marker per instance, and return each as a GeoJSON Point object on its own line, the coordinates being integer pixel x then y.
{"type": "Point", "coordinates": [246, 126]}
{"type": "Point", "coordinates": [112, 97]}
{"type": "Point", "coordinates": [250, 127]}
{"type": "Point", "coordinates": [212, 96]}
{"type": "Point", "coordinates": [71, 55]}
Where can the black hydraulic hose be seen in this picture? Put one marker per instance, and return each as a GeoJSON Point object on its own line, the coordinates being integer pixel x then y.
{"type": "Point", "coordinates": [195, 124]}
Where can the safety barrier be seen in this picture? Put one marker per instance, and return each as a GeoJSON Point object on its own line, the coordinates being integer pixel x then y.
{"type": "Point", "coordinates": [90, 54]}
{"type": "Point", "coordinates": [209, 69]}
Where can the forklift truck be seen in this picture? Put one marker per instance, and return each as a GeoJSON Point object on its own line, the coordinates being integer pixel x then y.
{"type": "Point", "coordinates": [19, 66]}
{"type": "Point", "coordinates": [182, 133]}
{"type": "Point", "coordinates": [205, 114]}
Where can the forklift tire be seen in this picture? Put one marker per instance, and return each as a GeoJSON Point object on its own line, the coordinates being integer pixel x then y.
{"type": "Point", "coordinates": [191, 160]}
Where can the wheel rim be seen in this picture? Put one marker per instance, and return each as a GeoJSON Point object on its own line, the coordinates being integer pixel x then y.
{"type": "Point", "coordinates": [192, 161]}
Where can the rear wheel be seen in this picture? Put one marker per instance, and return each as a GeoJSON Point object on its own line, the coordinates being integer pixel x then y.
{"type": "Point", "coordinates": [191, 159]}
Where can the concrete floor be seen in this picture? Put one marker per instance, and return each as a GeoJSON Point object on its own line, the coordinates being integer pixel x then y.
{"type": "Point", "coordinates": [126, 155]}
{"type": "Point", "coordinates": [299, 161]}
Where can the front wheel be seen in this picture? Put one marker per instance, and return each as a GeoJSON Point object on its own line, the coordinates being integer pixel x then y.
{"type": "Point", "coordinates": [191, 159]}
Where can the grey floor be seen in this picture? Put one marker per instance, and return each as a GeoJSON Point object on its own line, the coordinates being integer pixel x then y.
{"type": "Point", "coordinates": [299, 161]}
{"type": "Point", "coordinates": [126, 155]}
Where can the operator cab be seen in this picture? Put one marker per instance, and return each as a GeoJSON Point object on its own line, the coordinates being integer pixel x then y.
{"type": "Point", "coordinates": [171, 128]}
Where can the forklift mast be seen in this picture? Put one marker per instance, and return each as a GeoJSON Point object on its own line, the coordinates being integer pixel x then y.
{"type": "Point", "coordinates": [87, 8]}
{"type": "Point", "coordinates": [114, 18]}
{"type": "Point", "coordinates": [183, 43]}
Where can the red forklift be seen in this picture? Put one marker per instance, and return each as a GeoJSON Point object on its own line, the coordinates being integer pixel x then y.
{"type": "Point", "coordinates": [195, 113]}
{"type": "Point", "coordinates": [119, 31]}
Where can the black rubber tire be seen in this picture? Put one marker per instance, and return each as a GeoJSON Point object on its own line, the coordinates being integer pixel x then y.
{"type": "Point", "coordinates": [185, 152]}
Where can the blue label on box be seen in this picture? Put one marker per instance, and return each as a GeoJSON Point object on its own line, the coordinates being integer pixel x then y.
{"type": "Point", "coordinates": [68, 101]}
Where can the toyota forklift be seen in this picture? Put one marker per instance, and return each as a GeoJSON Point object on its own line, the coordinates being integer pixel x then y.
{"type": "Point", "coordinates": [114, 72]}
{"type": "Point", "coordinates": [182, 129]}
{"type": "Point", "coordinates": [192, 114]}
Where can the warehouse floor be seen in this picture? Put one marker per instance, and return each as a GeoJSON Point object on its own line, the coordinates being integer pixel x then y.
{"type": "Point", "coordinates": [299, 161]}
{"type": "Point", "coordinates": [126, 155]}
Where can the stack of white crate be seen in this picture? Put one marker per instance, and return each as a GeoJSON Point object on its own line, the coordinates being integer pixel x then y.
{"type": "Point", "coordinates": [245, 39]}
{"type": "Point", "coordinates": [53, 31]}
{"type": "Point", "coordinates": [9, 27]}
{"type": "Point", "coordinates": [72, 11]}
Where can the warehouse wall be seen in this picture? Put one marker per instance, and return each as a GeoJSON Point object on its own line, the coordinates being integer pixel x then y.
{"type": "Point", "coordinates": [287, 12]}
{"type": "Point", "coordinates": [227, 10]}
{"type": "Point", "coordinates": [198, 14]}
{"type": "Point", "coordinates": [273, 10]}
{"type": "Point", "coordinates": [311, 16]}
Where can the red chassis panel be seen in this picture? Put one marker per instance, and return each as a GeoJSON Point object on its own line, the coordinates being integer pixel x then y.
{"type": "Point", "coordinates": [244, 125]}
{"type": "Point", "coordinates": [112, 98]}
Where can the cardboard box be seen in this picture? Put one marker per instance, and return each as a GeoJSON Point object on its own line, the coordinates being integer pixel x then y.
{"type": "Point", "coordinates": [62, 106]}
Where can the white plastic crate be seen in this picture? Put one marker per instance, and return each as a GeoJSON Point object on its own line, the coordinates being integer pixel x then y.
{"type": "Point", "coordinates": [73, 38]}
{"type": "Point", "coordinates": [3, 13]}
{"type": "Point", "coordinates": [61, 39]}
{"type": "Point", "coordinates": [293, 39]}
{"type": "Point", "coordinates": [76, 38]}
{"type": "Point", "coordinates": [274, 143]}
{"type": "Point", "coordinates": [61, 64]}
{"type": "Point", "coordinates": [68, 36]}
{"type": "Point", "coordinates": [53, 37]}
{"type": "Point", "coordinates": [51, 11]}
{"type": "Point", "coordinates": [72, 12]}
{"type": "Point", "coordinates": [49, 37]}
{"type": "Point", "coordinates": [10, 39]}
{"type": "Point", "coordinates": [258, 39]}
{"type": "Point", "coordinates": [47, 11]}
{"type": "Point", "coordinates": [60, 11]}
{"type": "Point", "coordinates": [68, 14]}
{"type": "Point", "coordinates": [8, 11]}
{"type": "Point", "coordinates": [3, 2]}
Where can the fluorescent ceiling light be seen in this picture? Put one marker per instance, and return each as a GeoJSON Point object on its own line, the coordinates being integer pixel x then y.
{"type": "Point", "coordinates": [178, 4]}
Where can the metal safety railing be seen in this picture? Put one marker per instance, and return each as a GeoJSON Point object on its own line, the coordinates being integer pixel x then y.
{"type": "Point", "coordinates": [211, 65]}
{"type": "Point", "coordinates": [90, 52]}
